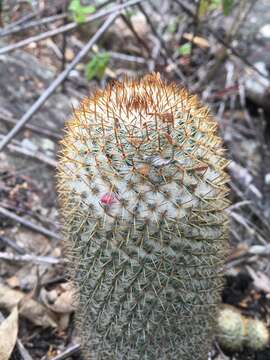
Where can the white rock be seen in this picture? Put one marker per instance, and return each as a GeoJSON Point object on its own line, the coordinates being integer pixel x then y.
{"type": "Point", "coordinates": [47, 145]}
{"type": "Point", "coordinates": [28, 144]}
{"type": "Point", "coordinates": [267, 179]}
{"type": "Point", "coordinates": [265, 31]}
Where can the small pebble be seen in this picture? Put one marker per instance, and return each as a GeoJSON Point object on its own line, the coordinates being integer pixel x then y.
{"type": "Point", "coordinates": [28, 144]}
{"type": "Point", "coordinates": [265, 31]}
{"type": "Point", "coordinates": [267, 179]}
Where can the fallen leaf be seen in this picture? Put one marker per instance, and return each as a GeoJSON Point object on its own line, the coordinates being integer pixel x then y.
{"type": "Point", "coordinates": [13, 281]}
{"type": "Point", "coordinates": [8, 334]}
{"type": "Point", "coordinates": [30, 309]}
{"type": "Point", "coordinates": [197, 40]}
{"type": "Point", "coordinates": [60, 303]}
{"type": "Point", "coordinates": [240, 250]}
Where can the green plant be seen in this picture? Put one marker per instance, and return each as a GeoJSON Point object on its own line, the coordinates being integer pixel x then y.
{"type": "Point", "coordinates": [80, 12]}
{"type": "Point", "coordinates": [142, 189]}
{"type": "Point", "coordinates": [185, 49]}
{"type": "Point", "coordinates": [206, 5]}
{"type": "Point", "coordinates": [227, 6]}
{"type": "Point", "coordinates": [97, 66]}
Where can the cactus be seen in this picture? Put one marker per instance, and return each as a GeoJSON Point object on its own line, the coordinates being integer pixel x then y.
{"type": "Point", "coordinates": [236, 332]}
{"type": "Point", "coordinates": [231, 329]}
{"type": "Point", "coordinates": [257, 335]}
{"type": "Point", "coordinates": [142, 189]}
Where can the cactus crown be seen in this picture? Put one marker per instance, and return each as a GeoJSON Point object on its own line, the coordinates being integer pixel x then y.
{"type": "Point", "coordinates": [143, 190]}
{"type": "Point", "coordinates": [142, 149]}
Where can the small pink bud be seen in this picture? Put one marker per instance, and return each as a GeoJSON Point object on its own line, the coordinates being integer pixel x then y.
{"type": "Point", "coordinates": [108, 199]}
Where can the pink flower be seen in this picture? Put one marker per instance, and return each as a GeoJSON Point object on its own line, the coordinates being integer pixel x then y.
{"type": "Point", "coordinates": [108, 199]}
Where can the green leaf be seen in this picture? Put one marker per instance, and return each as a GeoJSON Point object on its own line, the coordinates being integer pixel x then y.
{"type": "Point", "coordinates": [79, 18]}
{"type": "Point", "coordinates": [206, 5]}
{"type": "Point", "coordinates": [215, 4]}
{"type": "Point", "coordinates": [97, 66]}
{"type": "Point", "coordinates": [129, 13]}
{"type": "Point", "coordinates": [74, 5]}
{"type": "Point", "coordinates": [185, 49]}
{"type": "Point", "coordinates": [86, 10]}
{"type": "Point", "coordinates": [79, 11]}
{"type": "Point", "coordinates": [227, 6]}
{"type": "Point", "coordinates": [203, 7]}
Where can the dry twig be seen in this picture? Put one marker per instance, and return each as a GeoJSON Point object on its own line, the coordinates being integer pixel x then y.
{"type": "Point", "coordinates": [12, 244]}
{"type": "Point", "coordinates": [40, 229]}
{"type": "Point", "coordinates": [36, 129]}
{"type": "Point", "coordinates": [67, 27]}
{"type": "Point", "coordinates": [63, 75]}
{"type": "Point", "coordinates": [220, 39]}
{"type": "Point", "coordinates": [30, 258]}
{"type": "Point", "coordinates": [15, 147]}
{"type": "Point", "coordinates": [21, 27]}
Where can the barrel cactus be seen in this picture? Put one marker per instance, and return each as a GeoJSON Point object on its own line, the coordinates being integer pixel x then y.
{"type": "Point", "coordinates": [142, 189]}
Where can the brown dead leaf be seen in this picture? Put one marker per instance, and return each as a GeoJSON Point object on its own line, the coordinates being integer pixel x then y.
{"type": "Point", "coordinates": [30, 309]}
{"type": "Point", "coordinates": [240, 250]}
{"type": "Point", "coordinates": [38, 314]}
{"type": "Point", "coordinates": [8, 334]}
{"type": "Point", "coordinates": [13, 281]}
{"type": "Point", "coordinates": [69, 54]}
{"type": "Point", "coordinates": [197, 40]}
{"type": "Point", "coordinates": [60, 300]}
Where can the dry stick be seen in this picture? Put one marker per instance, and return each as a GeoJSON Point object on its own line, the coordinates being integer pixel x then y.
{"type": "Point", "coordinates": [30, 24]}
{"type": "Point", "coordinates": [195, 25]}
{"type": "Point", "coordinates": [12, 244]}
{"type": "Point", "coordinates": [64, 45]}
{"type": "Point", "coordinates": [126, 57]}
{"type": "Point", "coordinates": [235, 52]}
{"type": "Point", "coordinates": [20, 21]}
{"type": "Point", "coordinates": [136, 35]}
{"type": "Point", "coordinates": [34, 155]}
{"type": "Point", "coordinates": [61, 77]}
{"type": "Point", "coordinates": [36, 129]}
{"type": "Point", "coordinates": [68, 27]}
{"type": "Point", "coordinates": [17, 26]}
{"type": "Point", "coordinates": [243, 11]}
{"type": "Point", "coordinates": [15, 147]}
{"type": "Point", "coordinates": [71, 350]}
{"type": "Point", "coordinates": [8, 214]}
{"type": "Point", "coordinates": [163, 44]}
{"type": "Point", "coordinates": [30, 258]}
{"type": "Point", "coordinates": [22, 350]}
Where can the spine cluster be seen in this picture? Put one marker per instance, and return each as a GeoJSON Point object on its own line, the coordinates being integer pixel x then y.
{"type": "Point", "coordinates": [143, 192]}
